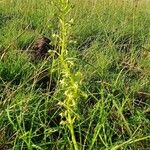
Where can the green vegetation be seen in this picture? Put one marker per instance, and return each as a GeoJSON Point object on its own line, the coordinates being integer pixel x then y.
{"type": "Point", "coordinates": [95, 94]}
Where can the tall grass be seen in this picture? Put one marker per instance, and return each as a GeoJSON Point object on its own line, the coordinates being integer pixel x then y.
{"type": "Point", "coordinates": [103, 52]}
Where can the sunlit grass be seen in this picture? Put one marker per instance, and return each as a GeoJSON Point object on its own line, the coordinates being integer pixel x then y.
{"type": "Point", "coordinates": [108, 50]}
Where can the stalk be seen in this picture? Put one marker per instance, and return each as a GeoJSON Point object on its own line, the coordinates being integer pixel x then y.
{"type": "Point", "coordinates": [68, 83]}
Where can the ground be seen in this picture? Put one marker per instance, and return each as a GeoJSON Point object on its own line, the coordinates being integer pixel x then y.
{"type": "Point", "coordinates": [109, 43]}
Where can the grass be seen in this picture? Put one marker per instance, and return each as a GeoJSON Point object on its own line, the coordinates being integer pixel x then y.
{"type": "Point", "coordinates": [108, 45]}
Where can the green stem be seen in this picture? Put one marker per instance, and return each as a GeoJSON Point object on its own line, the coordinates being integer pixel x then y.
{"type": "Point", "coordinates": [71, 128]}
{"type": "Point", "coordinates": [64, 64]}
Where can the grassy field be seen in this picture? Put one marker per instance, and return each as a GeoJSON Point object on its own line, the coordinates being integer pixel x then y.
{"type": "Point", "coordinates": [96, 97]}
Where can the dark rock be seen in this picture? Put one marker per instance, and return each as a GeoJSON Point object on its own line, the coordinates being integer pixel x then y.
{"type": "Point", "coordinates": [39, 51]}
{"type": "Point", "coordinates": [40, 48]}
